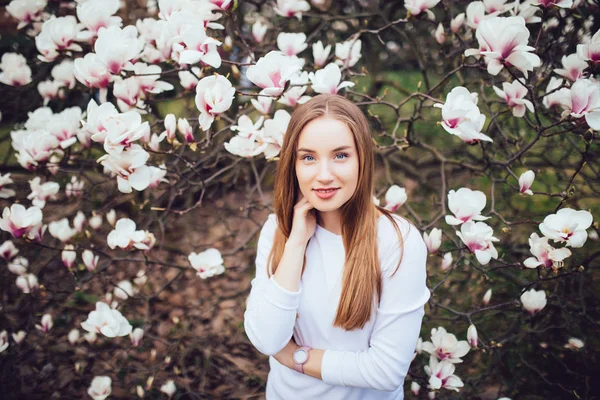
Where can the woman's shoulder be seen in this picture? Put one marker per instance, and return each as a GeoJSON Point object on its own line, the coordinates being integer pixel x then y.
{"type": "Point", "coordinates": [387, 236]}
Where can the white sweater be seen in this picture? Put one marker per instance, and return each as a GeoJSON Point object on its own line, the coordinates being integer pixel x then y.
{"type": "Point", "coordinates": [363, 364]}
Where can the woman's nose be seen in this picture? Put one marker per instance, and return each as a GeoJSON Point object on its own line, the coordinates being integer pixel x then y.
{"type": "Point", "coordinates": [325, 172]}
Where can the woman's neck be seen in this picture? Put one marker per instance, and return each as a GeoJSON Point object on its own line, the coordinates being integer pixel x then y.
{"type": "Point", "coordinates": [330, 220]}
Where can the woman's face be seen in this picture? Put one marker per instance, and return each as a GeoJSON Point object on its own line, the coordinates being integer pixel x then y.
{"type": "Point", "coordinates": [326, 158]}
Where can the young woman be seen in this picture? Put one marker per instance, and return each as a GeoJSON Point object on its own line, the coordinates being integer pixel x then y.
{"type": "Point", "coordinates": [339, 293]}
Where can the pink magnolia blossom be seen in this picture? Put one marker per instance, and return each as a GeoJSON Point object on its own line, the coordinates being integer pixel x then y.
{"type": "Point", "coordinates": [68, 255]}
{"type": "Point", "coordinates": [445, 346]}
{"type": "Point", "coordinates": [573, 67]}
{"type": "Point", "coordinates": [478, 237]}
{"type": "Point", "coordinates": [395, 197]}
{"type": "Point", "coordinates": [262, 104]}
{"type": "Point", "coordinates": [486, 297]}
{"type": "Point", "coordinates": [590, 51]}
{"type": "Point", "coordinates": [291, 8]}
{"type": "Point", "coordinates": [169, 388]}
{"type": "Point", "coordinates": [4, 192]}
{"type": "Point", "coordinates": [124, 290]}
{"type": "Point", "coordinates": [18, 266]}
{"type": "Point", "coordinates": [259, 30]}
{"type": "Point", "coordinates": [170, 126]}
{"type": "Point", "coordinates": [567, 226]}
{"type": "Point", "coordinates": [328, 80]}
{"type": "Point", "coordinates": [553, 3]}
{"type": "Point", "coordinates": [207, 263]}
{"type": "Point", "coordinates": [574, 344]}
{"type": "Point", "coordinates": [126, 236]}
{"type": "Point", "coordinates": [19, 336]}
{"type": "Point", "coordinates": [320, 53]}
{"type": "Point", "coordinates": [18, 221]}
{"type": "Point", "coordinates": [15, 71]}
{"type": "Point", "coordinates": [49, 90]}
{"type": "Point", "coordinates": [525, 182]}
{"type": "Point", "coordinates": [416, 7]}
{"type": "Point", "coordinates": [446, 262]}
{"type": "Point", "coordinates": [441, 375]}
{"type": "Point", "coordinates": [26, 11]}
{"type": "Point", "coordinates": [90, 260]}
{"type": "Point", "coordinates": [466, 205]}
{"type": "Point", "coordinates": [3, 341]}
{"type": "Point", "coordinates": [433, 240]}
{"type": "Point", "coordinates": [130, 168]}
{"type": "Point", "coordinates": [472, 336]}
{"type": "Point", "coordinates": [214, 95]}
{"type": "Point", "coordinates": [461, 116]}
{"type": "Point", "coordinates": [415, 388]}
{"type": "Point", "coordinates": [116, 48]}
{"type": "Point", "coordinates": [533, 301]}
{"type": "Point", "coordinates": [246, 128]}
{"type": "Point", "coordinates": [503, 42]}
{"type": "Point", "coordinates": [514, 94]}
{"type": "Point", "coordinates": [27, 283]}
{"type": "Point", "coordinates": [57, 35]}
{"type": "Point", "coordinates": [94, 15]}
{"type": "Point", "coordinates": [79, 221]}
{"type": "Point", "coordinates": [109, 322]}
{"type": "Point", "coordinates": [93, 73]}
{"type": "Point", "coordinates": [272, 72]}
{"type": "Point", "coordinates": [585, 102]}
{"type": "Point", "coordinates": [184, 127]}
{"type": "Point", "coordinates": [544, 254]}
{"type": "Point", "coordinates": [475, 14]}
{"type": "Point", "coordinates": [439, 34]}
{"type": "Point", "coordinates": [557, 97]}
{"type": "Point", "coordinates": [42, 192]}
{"type": "Point", "coordinates": [136, 336]}
{"type": "Point", "coordinates": [295, 94]}
{"type": "Point", "coordinates": [291, 44]}
{"type": "Point", "coordinates": [74, 188]}
{"type": "Point", "coordinates": [495, 6]}
{"type": "Point", "coordinates": [46, 323]}
{"type": "Point", "coordinates": [189, 79]}
{"type": "Point", "coordinates": [222, 4]}
{"type": "Point", "coordinates": [100, 388]}
{"type": "Point", "coordinates": [273, 132]}
{"type": "Point", "coordinates": [157, 175]}
{"type": "Point", "coordinates": [457, 22]}
{"type": "Point", "coordinates": [348, 53]}
{"type": "Point", "coordinates": [62, 230]}
{"type": "Point", "coordinates": [197, 47]}
{"type": "Point", "coordinates": [246, 147]}
{"type": "Point", "coordinates": [8, 250]}
{"type": "Point", "coordinates": [33, 147]}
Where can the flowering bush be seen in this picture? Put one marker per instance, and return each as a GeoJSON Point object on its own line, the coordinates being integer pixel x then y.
{"type": "Point", "coordinates": [124, 123]}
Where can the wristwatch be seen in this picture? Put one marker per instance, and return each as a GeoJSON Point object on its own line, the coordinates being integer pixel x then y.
{"type": "Point", "coordinates": [300, 358]}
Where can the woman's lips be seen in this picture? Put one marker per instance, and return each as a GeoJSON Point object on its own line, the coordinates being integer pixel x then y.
{"type": "Point", "coordinates": [326, 194]}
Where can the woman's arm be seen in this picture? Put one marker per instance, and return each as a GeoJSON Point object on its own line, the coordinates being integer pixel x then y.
{"type": "Point", "coordinates": [392, 344]}
{"type": "Point", "coordinates": [271, 307]}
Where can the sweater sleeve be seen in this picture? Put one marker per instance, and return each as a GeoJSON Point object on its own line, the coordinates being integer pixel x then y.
{"type": "Point", "coordinates": [384, 365]}
{"type": "Point", "coordinates": [270, 313]}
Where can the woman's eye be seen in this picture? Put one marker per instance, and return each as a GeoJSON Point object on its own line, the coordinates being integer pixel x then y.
{"type": "Point", "coordinates": [341, 154]}
{"type": "Point", "coordinates": [305, 157]}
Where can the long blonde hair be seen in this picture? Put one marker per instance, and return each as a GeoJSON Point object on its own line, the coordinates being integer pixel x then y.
{"type": "Point", "coordinates": [361, 280]}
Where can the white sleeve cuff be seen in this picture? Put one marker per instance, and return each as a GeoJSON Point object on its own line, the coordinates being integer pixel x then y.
{"type": "Point", "coordinates": [332, 366]}
{"type": "Point", "coordinates": [281, 297]}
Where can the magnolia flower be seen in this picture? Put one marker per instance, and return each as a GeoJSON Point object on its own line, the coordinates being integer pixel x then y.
{"type": "Point", "coordinates": [79, 221]}
{"type": "Point", "coordinates": [259, 30]}
{"type": "Point", "coordinates": [107, 321]}
{"type": "Point", "coordinates": [291, 8]}
{"type": "Point", "coordinates": [33, 147]}
{"type": "Point", "coordinates": [130, 168]}
{"type": "Point", "coordinates": [477, 236]}
{"type": "Point", "coordinates": [170, 126]}
{"type": "Point", "coordinates": [415, 388]}
{"type": "Point", "coordinates": [46, 323]}
{"type": "Point", "coordinates": [19, 336]}
{"type": "Point", "coordinates": [446, 262]}
{"type": "Point", "coordinates": [461, 116]}
{"type": "Point", "coordinates": [291, 44]}
{"type": "Point", "coordinates": [62, 230]}
{"type": "Point", "coordinates": [439, 34]}
{"type": "Point", "coordinates": [90, 337]}
{"type": "Point", "coordinates": [272, 134]}
{"type": "Point", "coordinates": [495, 6]}
{"type": "Point", "coordinates": [327, 80]}
{"type": "Point", "coordinates": [3, 341]}
{"type": "Point", "coordinates": [441, 375]}
{"type": "Point", "coordinates": [272, 72]}
{"type": "Point", "coordinates": [97, 14]}
{"type": "Point", "coordinates": [348, 53]}
{"type": "Point", "coordinates": [416, 7]}
{"type": "Point", "coordinates": [246, 128]}
{"type": "Point", "coordinates": [433, 240]}
{"type": "Point", "coordinates": [573, 67]}
{"type": "Point", "coordinates": [26, 11]}
{"type": "Point", "coordinates": [57, 35]}
{"type": "Point", "coordinates": [544, 254]}
{"type": "Point", "coordinates": [590, 52]}
{"type": "Point", "coordinates": [48, 90]}
{"type": "Point", "coordinates": [552, 3]}
{"type": "Point", "coordinates": [514, 94]}
{"type": "Point", "coordinates": [475, 14]}
{"type": "Point", "coordinates": [445, 346]}
{"type": "Point", "coordinates": [574, 344]}
{"type": "Point", "coordinates": [121, 131]}
{"type": "Point", "coordinates": [186, 130]}
{"type": "Point", "coordinates": [198, 47]}
{"type": "Point", "coordinates": [136, 336]}
{"type": "Point", "coordinates": [19, 221]}
{"type": "Point", "coordinates": [503, 41]}
{"type": "Point", "coordinates": [116, 47]}
{"type": "Point", "coordinates": [157, 175]}
{"type": "Point", "coordinates": [68, 255]}
{"type": "Point", "coordinates": [189, 79]}
{"type": "Point", "coordinates": [73, 336]}
{"type": "Point", "coordinates": [262, 104]}
{"type": "Point", "coordinates": [74, 188]}
{"type": "Point", "coordinates": [466, 205]}
{"type": "Point", "coordinates": [126, 236]}
{"type": "Point", "coordinates": [457, 22]}
{"type": "Point", "coordinates": [8, 250]}
{"type": "Point", "coordinates": [93, 73]}
{"type": "Point", "coordinates": [585, 102]}
{"type": "Point", "coordinates": [487, 297]}
{"type": "Point", "coordinates": [395, 197]}
{"type": "Point", "coordinates": [568, 226]}
{"type": "Point", "coordinates": [472, 337]}
{"type": "Point", "coordinates": [100, 388]}
{"type": "Point", "coordinates": [168, 388]}
{"type": "Point", "coordinates": [214, 95]}
{"type": "Point", "coordinates": [18, 266]}
{"type": "Point", "coordinates": [561, 97]}
{"type": "Point", "coordinates": [533, 301]}
{"type": "Point", "coordinates": [63, 73]}
{"type": "Point", "coordinates": [111, 217]}
{"type": "Point", "coordinates": [40, 193]}
{"type": "Point", "coordinates": [90, 260]}
{"type": "Point", "coordinates": [525, 181]}
{"type": "Point", "coordinates": [320, 53]}
{"type": "Point", "coordinates": [140, 278]}
{"type": "Point", "coordinates": [295, 94]}
{"type": "Point", "coordinates": [243, 146]}
{"type": "Point", "coordinates": [124, 290]}
{"type": "Point", "coordinates": [6, 180]}
{"type": "Point", "coordinates": [27, 283]}
{"type": "Point", "coordinates": [208, 263]}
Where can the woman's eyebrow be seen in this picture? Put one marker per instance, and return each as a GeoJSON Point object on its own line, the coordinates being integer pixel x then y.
{"type": "Point", "coordinates": [334, 150]}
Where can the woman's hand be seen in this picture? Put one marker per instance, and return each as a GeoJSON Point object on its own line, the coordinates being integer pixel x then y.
{"type": "Point", "coordinates": [285, 355]}
{"type": "Point", "coordinates": [304, 222]}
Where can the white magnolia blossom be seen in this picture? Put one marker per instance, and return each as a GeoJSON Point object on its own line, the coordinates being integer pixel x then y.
{"type": "Point", "coordinates": [3, 341]}
{"type": "Point", "coordinates": [585, 102]}
{"type": "Point", "coordinates": [33, 147]}
{"type": "Point", "coordinates": [196, 46]}
{"type": "Point", "coordinates": [18, 265]}
{"type": "Point", "coordinates": [525, 182]}
{"type": "Point", "coordinates": [466, 205]}
{"type": "Point", "coordinates": [214, 95]}
{"type": "Point", "coordinates": [495, 6]}
{"type": "Point", "coordinates": [189, 79]}
{"type": "Point", "coordinates": [207, 263]}
{"type": "Point", "coordinates": [475, 13]}
{"type": "Point", "coordinates": [433, 240]}
{"type": "Point", "coordinates": [19, 336]}
{"type": "Point", "coordinates": [573, 67]}
{"type": "Point", "coordinates": [42, 192]}
{"type": "Point", "coordinates": [57, 35]}
{"type": "Point", "coordinates": [27, 283]}
{"type": "Point", "coordinates": [445, 346]}
{"type": "Point", "coordinates": [590, 51]}
{"type": "Point", "coordinates": [186, 130]}
{"type": "Point", "coordinates": [262, 104]}
{"type": "Point", "coordinates": [26, 11]}
{"type": "Point", "coordinates": [111, 217]}
{"type": "Point", "coordinates": [348, 53]}
{"type": "Point", "coordinates": [259, 30]}
{"type": "Point", "coordinates": [328, 80]}
{"type": "Point", "coordinates": [8, 250]}
{"type": "Point", "coordinates": [127, 237]}
{"type": "Point", "coordinates": [46, 323]}
{"type": "Point", "coordinates": [116, 47]}
{"type": "Point", "coordinates": [136, 336]}
{"type": "Point", "coordinates": [91, 71]}
{"type": "Point", "coordinates": [295, 94]}
{"type": "Point", "coordinates": [415, 388]}
{"type": "Point", "coordinates": [472, 336]}
{"type": "Point", "coordinates": [514, 94]}
{"type": "Point", "coordinates": [395, 197]}
{"type": "Point", "coordinates": [544, 254]}
{"type": "Point", "coordinates": [440, 34]}
{"type": "Point", "coordinates": [574, 344]}
{"type": "Point", "coordinates": [272, 72]}
{"type": "Point", "coordinates": [94, 15]}
{"type": "Point", "coordinates": [533, 301]}
{"type": "Point", "coordinates": [567, 226]}
{"type": "Point", "coordinates": [61, 230]}
{"type": "Point", "coordinates": [441, 375]}
{"type": "Point", "coordinates": [4, 192]}
{"type": "Point", "coordinates": [503, 40]}
{"type": "Point", "coordinates": [457, 22]}
{"type": "Point", "coordinates": [291, 8]}
{"type": "Point", "coordinates": [461, 116]}
{"type": "Point", "coordinates": [320, 53]}
{"type": "Point", "coordinates": [478, 237]}
{"type": "Point", "coordinates": [19, 220]}
{"type": "Point", "coordinates": [79, 221]}
{"type": "Point", "coordinates": [90, 260]}
{"type": "Point", "coordinates": [106, 321]}
{"type": "Point", "coordinates": [74, 188]}
{"type": "Point", "coordinates": [49, 90]}
{"type": "Point", "coordinates": [557, 97]}
{"type": "Point", "coordinates": [124, 290]}
{"type": "Point", "coordinates": [416, 7]}
{"type": "Point", "coordinates": [68, 256]}
{"type": "Point", "coordinates": [486, 297]}
{"type": "Point", "coordinates": [130, 168]}
{"type": "Point", "coordinates": [273, 132]}
{"type": "Point", "coordinates": [291, 44]}
{"type": "Point", "coordinates": [553, 3]}
{"type": "Point", "coordinates": [73, 336]}
{"type": "Point", "coordinates": [446, 262]}
{"type": "Point", "coordinates": [100, 388]}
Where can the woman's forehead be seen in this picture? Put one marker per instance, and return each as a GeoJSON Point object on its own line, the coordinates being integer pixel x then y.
{"type": "Point", "coordinates": [325, 134]}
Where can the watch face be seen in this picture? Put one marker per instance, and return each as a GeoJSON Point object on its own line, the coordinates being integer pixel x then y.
{"type": "Point", "coordinates": [300, 356]}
